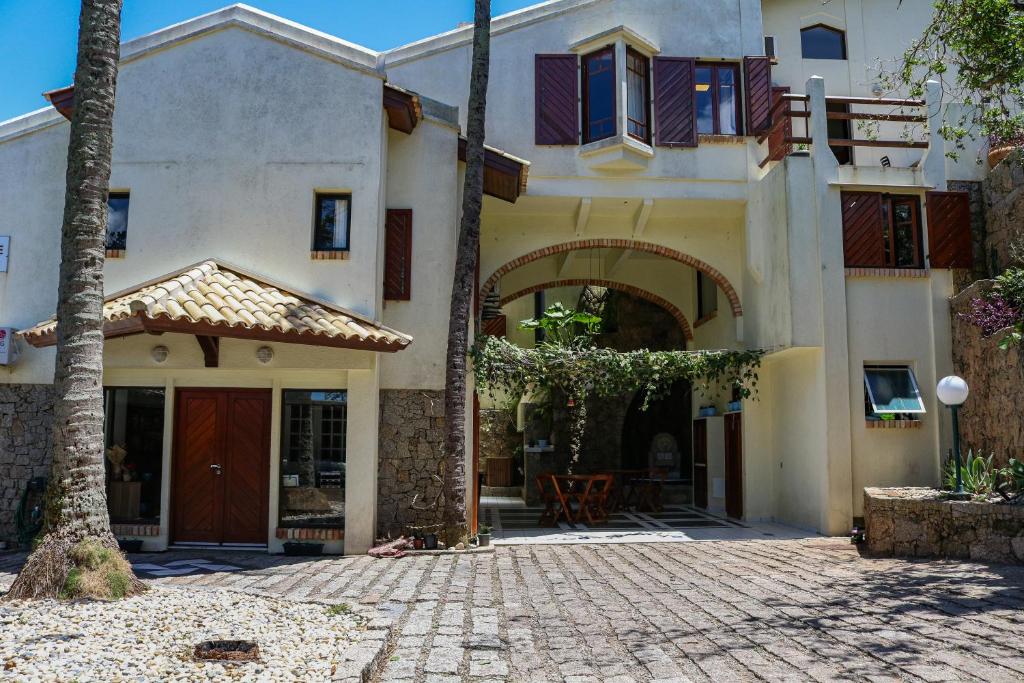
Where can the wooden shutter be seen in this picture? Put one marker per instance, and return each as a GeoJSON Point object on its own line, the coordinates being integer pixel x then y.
{"type": "Point", "coordinates": [556, 88]}
{"type": "Point", "coordinates": [949, 229]}
{"type": "Point", "coordinates": [398, 255]}
{"type": "Point", "coordinates": [675, 111]}
{"type": "Point", "coordinates": [863, 230]}
{"type": "Point", "coordinates": [495, 327]}
{"type": "Point", "coordinates": [757, 76]}
{"type": "Point", "coordinates": [778, 148]}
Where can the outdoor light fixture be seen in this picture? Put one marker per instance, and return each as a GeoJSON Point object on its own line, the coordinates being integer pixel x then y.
{"type": "Point", "coordinates": [952, 391]}
{"type": "Point", "coordinates": [159, 353]}
{"type": "Point", "coordinates": [264, 354]}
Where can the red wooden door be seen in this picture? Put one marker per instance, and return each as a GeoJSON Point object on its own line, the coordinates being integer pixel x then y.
{"type": "Point", "coordinates": [700, 463]}
{"type": "Point", "coordinates": [733, 466]}
{"type": "Point", "coordinates": [221, 466]}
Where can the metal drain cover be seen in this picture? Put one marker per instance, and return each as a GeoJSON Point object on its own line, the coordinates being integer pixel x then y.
{"type": "Point", "coordinates": [227, 650]}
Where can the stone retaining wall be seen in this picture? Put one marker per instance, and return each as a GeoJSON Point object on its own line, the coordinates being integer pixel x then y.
{"type": "Point", "coordinates": [1004, 211]}
{"type": "Point", "coordinates": [411, 444]}
{"type": "Point", "coordinates": [26, 412]}
{"type": "Point", "coordinates": [919, 522]}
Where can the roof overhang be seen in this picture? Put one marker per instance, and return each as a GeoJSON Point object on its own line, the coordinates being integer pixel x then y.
{"type": "Point", "coordinates": [505, 175]}
{"type": "Point", "coordinates": [214, 299]}
{"type": "Point", "coordinates": [403, 108]}
{"type": "Point", "coordinates": [63, 100]}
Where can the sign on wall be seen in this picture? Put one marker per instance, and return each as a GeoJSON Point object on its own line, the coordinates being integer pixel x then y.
{"type": "Point", "coordinates": [5, 248]}
{"type": "Point", "coordinates": [6, 345]}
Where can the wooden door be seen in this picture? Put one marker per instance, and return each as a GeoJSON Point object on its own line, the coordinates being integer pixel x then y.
{"type": "Point", "coordinates": [221, 466]}
{"type": "Point", "coordinates": [700, 463]}
{"type": "Point", "coordinates": [733, 466]}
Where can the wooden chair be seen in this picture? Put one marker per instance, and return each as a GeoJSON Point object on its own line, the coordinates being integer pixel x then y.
{"type": "Point", "coordinates": [549, 497]}
{"type": "Point", "coordinates": [602, 489]}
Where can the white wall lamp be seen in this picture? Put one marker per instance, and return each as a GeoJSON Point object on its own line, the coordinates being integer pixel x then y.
{"type": "Point", "coordinates": [159, 353]}
{"type": "Point", "coordinates": [952, 391]}
{"type": "Point", "coordinates": [264, 354]}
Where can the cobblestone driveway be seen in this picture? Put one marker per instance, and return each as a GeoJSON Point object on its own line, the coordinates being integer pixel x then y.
{"type": "Point", "coordinates": [721, 611]}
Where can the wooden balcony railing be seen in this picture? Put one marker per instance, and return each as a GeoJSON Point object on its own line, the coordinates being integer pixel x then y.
{"type": "Point", "coordinates": [781, 138]}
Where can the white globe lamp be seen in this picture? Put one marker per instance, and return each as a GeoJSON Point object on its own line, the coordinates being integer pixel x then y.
{"type": "Point", "coordinates": [952, 391]}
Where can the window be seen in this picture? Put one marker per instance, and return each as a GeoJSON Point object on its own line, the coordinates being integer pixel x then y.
{"type": "Point", "coordinates": [133, 426]}
{"type": "Point", "coordinates": [599, 95]}
{"type": "Point", "coordinates": [117, 222]}
{"type": "Point", "coordinates": [332, 222]}
{"type": "Point", "coordinates": [822, 42]}
{"type": "Point", "coordinates": [840, 129]}
{"type": "Point", "coordinates": [902, 232]}
{"type": "Point", "coordinates": [707, 296]}
{"type": "Point", "coordinates": [638, 97]}
{"type": "Point", "coordinates": [718, 101]}
{"type": "Point", "coordinates": [313, 458]}
{"type": "Point", "coordinates": [891, 392]}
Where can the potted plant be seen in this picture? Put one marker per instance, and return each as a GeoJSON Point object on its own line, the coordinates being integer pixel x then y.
{"type": "Point", "coordinates": [483, 536]}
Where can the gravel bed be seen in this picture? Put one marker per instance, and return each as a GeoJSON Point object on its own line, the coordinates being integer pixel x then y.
{"type": "Point", "coordinates": [150, 638]}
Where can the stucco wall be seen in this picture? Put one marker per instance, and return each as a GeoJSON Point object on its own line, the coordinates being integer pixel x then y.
{"type": "Point", "coordinates": [26, 412]}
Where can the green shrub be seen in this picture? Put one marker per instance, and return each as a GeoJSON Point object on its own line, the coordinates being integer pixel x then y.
{"type": "Point", "coordinates": [979, 477]}
{"type": "Point", "coordinates": [1011, 486]}
{"type": "Point", "coordinates": [1010, 286]}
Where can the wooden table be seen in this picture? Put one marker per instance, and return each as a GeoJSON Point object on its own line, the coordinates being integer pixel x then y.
{"type": "Point", "coordinates": [575, 498]}
{"type": "Point", "coordinates": [638, 489]}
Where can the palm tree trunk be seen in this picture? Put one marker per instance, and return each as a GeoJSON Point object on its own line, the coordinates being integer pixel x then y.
{"type": "Point", "coordinates": [463, 286]}
{"type": "Point", "coordinates": [76, 501]}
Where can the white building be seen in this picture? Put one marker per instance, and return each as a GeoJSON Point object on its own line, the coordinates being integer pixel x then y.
{"type": "Point", "coordinates": [262, 167]}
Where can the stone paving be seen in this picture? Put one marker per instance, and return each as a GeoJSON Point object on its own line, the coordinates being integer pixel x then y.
{"type": "Point", "coordinates": [699, 611]}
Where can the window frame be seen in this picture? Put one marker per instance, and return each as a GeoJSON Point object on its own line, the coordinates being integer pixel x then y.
{"type": "Point", "coordinates": [872, 403]}
{"type": "Point", "coordinates": [633, 53]}
{"type": "Point", "coordinates": [832, 29]}
{"type": "Point", "coordinates": [716, 99]}
{"type": "Point", "coordinates": [317, 198]}
{"type": "Point", "coordinates": [109, 394]}
{"type": "Point", "coordinates": [702, 281]}
{"type": "Point", "coordinates": [117, 194]}
{"type": "Point", "coordinates": [889, 235]}
{"type": "Point", "coordinates": [585, 94]}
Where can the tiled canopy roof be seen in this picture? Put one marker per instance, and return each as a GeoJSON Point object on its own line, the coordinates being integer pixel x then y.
{"type": "Point", "coordinates": [214, 299]}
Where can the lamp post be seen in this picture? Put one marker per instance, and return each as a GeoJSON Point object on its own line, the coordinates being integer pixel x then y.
{"type": "Point", "coordinates": [952, 391]}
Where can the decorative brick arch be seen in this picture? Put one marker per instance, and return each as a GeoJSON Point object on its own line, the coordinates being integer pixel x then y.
{"type": "Point", "coordinates": [620, 286]}
{"type": "Point", "coordinates": [606, 243]}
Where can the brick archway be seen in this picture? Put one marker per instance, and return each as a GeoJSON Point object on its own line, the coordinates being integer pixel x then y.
{"type": "Point", "coordinates": [605, 243]}
{"type": "Point", "coordinates": [620, 286]}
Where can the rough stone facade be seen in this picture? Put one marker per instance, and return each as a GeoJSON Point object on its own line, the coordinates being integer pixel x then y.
{"type": "Point", "coordinates": [1004, 211]}
{"type": "Point", "coordinates": [918, 522]}
{"type": "Point", "coordinates": [411, 446]}
{"type": "Point", "coordinates": [26, 412]}
{"type": "Point", "coordinates": [990, 419]}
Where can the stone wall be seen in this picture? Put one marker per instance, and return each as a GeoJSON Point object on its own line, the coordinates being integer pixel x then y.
{"type": "Point", "coordinates": [498, 436]}
{"type": "Point", "coordinates": [1004, 211]}
{"type": "Point", "coordinates": [976, 190]}
{"type": "Point", "coordinates": [26, 412]}
{"type": "Point", "coordinates": [990, 420]}
{"type": "Point", "coordinates": [918, 522]}
{"type": "Point", "coordinates": [411, 444]}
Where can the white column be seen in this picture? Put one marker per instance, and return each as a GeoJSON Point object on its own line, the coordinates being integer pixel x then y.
{"type": "Point", "coordinates": [933, 165]}
{"type": "Point", "coordinates": [621, 91]}
{"type": "Point", "coordinates": [824, 160]}
{"type": "Point", "coordinates": [362, 440]}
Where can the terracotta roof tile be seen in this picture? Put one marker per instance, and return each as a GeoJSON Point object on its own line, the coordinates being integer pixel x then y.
{"type": "Point", "coordinates": [234, 303]}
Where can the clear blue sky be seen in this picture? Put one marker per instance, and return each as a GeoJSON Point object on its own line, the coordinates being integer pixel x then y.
{"type": "Point", "coordinates": [38, 38]}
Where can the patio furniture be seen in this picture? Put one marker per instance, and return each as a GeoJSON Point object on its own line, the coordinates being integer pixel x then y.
{"type": "Point", "coordinates": [583, 497]}
{"type": "Point", "coordinates": [638, 489]}
{"type": "Point", "coordinates": [549, 495]}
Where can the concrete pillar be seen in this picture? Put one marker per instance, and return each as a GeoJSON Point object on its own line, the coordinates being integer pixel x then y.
{"type": "Point", "coordinates": [825, 163]}
{"type": "Point", "coordinates": [933, 165]}
{"type": "Point", "coordinates": [363, 436]}
{"type": "Point", "coordinates": [621, 95]}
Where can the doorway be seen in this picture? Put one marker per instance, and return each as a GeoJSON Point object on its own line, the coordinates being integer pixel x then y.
{"type": "Point", "coordinates": [221, 466]}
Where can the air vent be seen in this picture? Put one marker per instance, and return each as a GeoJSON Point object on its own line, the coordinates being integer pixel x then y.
{"type": "Point", "coordinates": [769, 46]}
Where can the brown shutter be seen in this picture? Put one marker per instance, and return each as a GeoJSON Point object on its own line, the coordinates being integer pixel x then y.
{"type": "Point", "coordinates": [556, 87]}
{"type": "Point", "coordinates": [863, 226]}
{"type": "Point", "coordinates": [675, 115]}
{"type": "Point", "coordinates": [398, 255]}
{"type": "Point", "coordinates": [757, 75]}
{"type": "Point", "coordinates": [495, 327]}
{"type": "Point", "coordinates": [778, 148]}
{"type": "Point", "coordinates": [949, 229]}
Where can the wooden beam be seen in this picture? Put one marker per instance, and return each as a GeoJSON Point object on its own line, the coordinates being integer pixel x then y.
{"type": "Point", "coordinates": [583, 215]}
{"type": "Point", "coordinates": [643, 214]}
{"type": "Point", "coordinates": [211, 350]}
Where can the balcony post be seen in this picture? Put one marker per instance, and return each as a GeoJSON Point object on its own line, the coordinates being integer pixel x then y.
{"type": "Point", "coordinates": [933, 164]}
{"type": "Point", "coordinates": [824, 160]}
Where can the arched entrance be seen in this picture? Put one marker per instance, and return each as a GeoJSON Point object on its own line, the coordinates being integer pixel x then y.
{"type": "Point", "coordinates": [661, 436]}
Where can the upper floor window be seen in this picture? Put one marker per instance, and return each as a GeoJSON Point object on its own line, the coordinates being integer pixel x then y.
{"type": "Point", "coordinates": [332, 222]}
{"type": "Point", "coordinates": [638, 95]}
{"type": "Point", "coordinates": [882, 231]}
{"type": "Point", "coordinates": [707, 296]}
{"type": "Point", "coordinates": [599, 95]}
{"type": "Point", "coordinates": [718, 101]}
{"type": "Point", "coordinates": [822, 42]}
{"type": "Point", "coordinates": [117, 223]}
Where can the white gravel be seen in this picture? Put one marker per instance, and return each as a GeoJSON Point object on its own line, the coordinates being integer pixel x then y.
{"type": "Point", "coordinates": [150, 638]}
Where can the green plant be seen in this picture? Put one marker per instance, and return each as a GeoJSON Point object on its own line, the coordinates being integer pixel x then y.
{"type": "Point", "coordinates": [1011, 484]}
{"type": "Point", "coordinates": [338, 610]}
{"type": "Point", "coordinates": [979, 477]}
{"type": "Point", "coordinates": [483, 529]}
{"type": "Point", "coordinates": [564, 326]}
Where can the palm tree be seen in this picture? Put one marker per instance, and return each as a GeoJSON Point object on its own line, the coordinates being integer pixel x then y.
{"type": "Point", "coordinates": [463, 287]}
{"type": "Point", "coordinates": [76, 553]}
